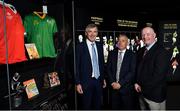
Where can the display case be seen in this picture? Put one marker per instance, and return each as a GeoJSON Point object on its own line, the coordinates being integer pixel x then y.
{"type": "Point", "coordinates": [170, 40]}
{"type": "Point", "coordinates": [35, 69]}
{"type": "Point", "coordinates": [33, 40]}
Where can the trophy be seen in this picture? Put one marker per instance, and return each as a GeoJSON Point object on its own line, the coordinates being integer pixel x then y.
{"type": "Point", "coordinates": [174, 37]}
{"type": "Point", "coordinates": [175, 49]}
{"type": "Point", "coordinates": [17, 88]}
{"type": "Point", "coordinates": [80, 37]}
{"type": "Point", "coordinates": [105, 48]}
{"type": "Point", "coordinates": [111, 44]}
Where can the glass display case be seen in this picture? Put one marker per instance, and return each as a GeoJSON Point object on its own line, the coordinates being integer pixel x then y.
{"type": "Point", "coordinates": [32, 38]}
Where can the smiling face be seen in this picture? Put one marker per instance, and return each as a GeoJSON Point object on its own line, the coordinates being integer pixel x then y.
{"type": "Point", "coordinates": [91, 32]}
{"type": "Point", "coordinates": [148, 36]}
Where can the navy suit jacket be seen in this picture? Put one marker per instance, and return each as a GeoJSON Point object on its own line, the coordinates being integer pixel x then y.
{"type": "Point", "coordinates": [127, 72]}
{"type": "Point", "coordinates": [84, 65]}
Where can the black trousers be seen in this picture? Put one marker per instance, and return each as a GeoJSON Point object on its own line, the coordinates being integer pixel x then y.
{"type": "Point", "coordinates": [120, 101]}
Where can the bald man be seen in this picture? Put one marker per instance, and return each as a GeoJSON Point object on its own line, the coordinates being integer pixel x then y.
{"type": "Point", "coordinates": [121, 72]}
{"type": "Point", "coordinates": [152, 67]}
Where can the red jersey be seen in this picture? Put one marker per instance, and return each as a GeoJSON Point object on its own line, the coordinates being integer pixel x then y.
{"type": "Point", "coordinates": [15, 37]}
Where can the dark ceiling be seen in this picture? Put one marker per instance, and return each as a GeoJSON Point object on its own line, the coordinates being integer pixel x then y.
{"type": "Point", "coordinates": [152, 9]}
{"type": "Point", "coordinates": [155, 8]}
{"type": "Point", "coordinates": [168, 9]}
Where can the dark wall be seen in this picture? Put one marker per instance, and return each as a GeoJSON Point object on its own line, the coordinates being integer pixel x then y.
{"type": "Point", "coordinates": [113, 10]}
{"type": "Point", "coordinates": [83, 17]}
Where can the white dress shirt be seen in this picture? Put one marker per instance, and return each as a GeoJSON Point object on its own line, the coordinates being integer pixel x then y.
{"type": "Point", "coordinates": [148, 47]}
{"type": "Point", "coordinates": [89, 44]}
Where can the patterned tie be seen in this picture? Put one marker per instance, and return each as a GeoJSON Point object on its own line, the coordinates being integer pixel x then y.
{"type": "Point", "coordinates": [95, 63]}
{"type": "Point", "coordinates": [145, 52]}
{"type": "Point", "coordinates": [119, 62]}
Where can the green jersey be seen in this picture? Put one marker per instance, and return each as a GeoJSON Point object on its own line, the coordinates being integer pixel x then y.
{"type": "Point", "coordinates": [40, 30]}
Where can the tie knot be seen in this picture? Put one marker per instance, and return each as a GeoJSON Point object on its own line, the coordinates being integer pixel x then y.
{"type": "Point", "coordinates": [120, 52]}
{"type": "Point", "coordinates": [92, 44]}
{"type": "Point", "coordinates": [146, 49]}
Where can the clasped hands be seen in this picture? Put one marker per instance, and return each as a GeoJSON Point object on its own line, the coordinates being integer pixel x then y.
{"type": "Point", "coordinates": [116, 85]}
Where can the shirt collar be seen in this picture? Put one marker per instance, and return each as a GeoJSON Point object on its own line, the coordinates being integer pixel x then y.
{"type": "Point", "coordinates": [123, 51]}
{"type": "Point", "coordinates": [89, 42]}
{"type": "Point", "coordinates": [148, 47]}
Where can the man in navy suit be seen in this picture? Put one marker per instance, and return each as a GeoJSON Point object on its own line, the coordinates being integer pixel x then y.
{"type": "Point", "coordinates": [121, 72]}
{"type": "Point", "coordinates": [89, 70]}
{"type": "Point", "coordinates": [152, 68]}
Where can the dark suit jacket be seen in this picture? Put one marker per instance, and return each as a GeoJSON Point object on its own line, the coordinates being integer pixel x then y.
{"type": "Point", "coordinates": [84, 65]}
{"type": "Point", "coordinates": [127, 72]}
{"type": "Point", "coordinates": [152, 71]}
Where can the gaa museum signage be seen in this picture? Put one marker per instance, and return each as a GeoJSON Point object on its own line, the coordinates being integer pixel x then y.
{"type": "Point", "coordinates": [127, 23]}
{"type": "Point", "coordinates": [97, 20]}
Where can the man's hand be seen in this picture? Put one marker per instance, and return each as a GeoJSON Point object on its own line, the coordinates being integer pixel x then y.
{"type": "Point", "coordinates": [79, 89]}
{"type": "Point", "coordinates": [104, 83]}
{"type": "Point", "coordinates": [116, 85]}
{"type": "Point", "coordinates": [137, 87]}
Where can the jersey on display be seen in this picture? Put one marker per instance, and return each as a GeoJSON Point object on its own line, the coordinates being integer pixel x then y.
{"type": "Point", "coordinates": [15, 36]}
{"type": "Point", "coordinates": [40, 30]}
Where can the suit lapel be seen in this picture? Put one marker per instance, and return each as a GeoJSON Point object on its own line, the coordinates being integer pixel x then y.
{"type": "Point", "coordinates": [116, 58]}
{"type": "Point", "coordinates": [97, 45]}
{"type": "Point", "coordinates": [87, 52]}
{"type": "Point", "coordinates": [98, 51]}
{"type": "Point", "coordinates": [150, 52]}
{"type": "Point", "coordinates": [124, 58]}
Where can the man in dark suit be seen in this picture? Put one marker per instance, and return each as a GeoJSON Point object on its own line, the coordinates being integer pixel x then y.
{"type": "Point", "coordinates": [152, 68]}
{"type": "Point", "coordinates": [89, 69]}
{"type": "Point", "coordinates": [121, 72]}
